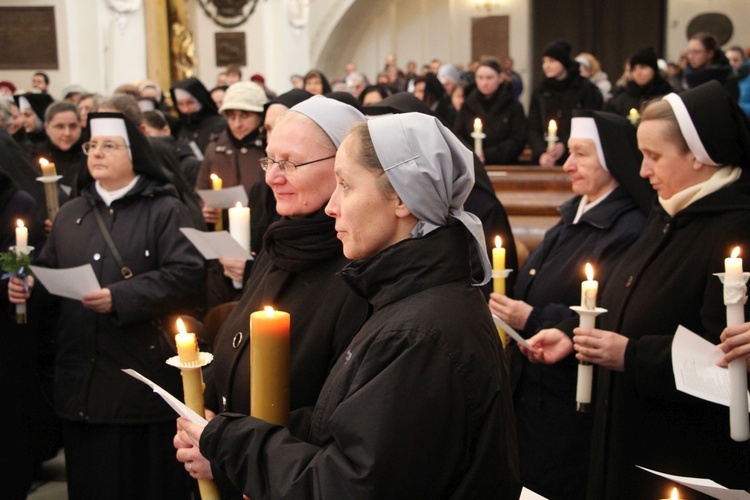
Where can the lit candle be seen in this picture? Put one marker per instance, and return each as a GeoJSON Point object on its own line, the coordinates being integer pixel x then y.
{"type": "Point", "coordinates": [675, 495]}
{"type": "Point", "coordinates": [217, 184]}
{"type": "Point", "coordinates": [551, 134]}
{"type": "Point", "coordinates": [48, 169]}
{"type": "Point", "coordinates": [634, 116]}
{"type": "Point", "coordinates": [22, 235]}
{"type": "Point", "coordinates": [498, 264]}
{"type": "Point", "coordinates": [589, 289]}
{"type": "Point", "coordinates": [477, 126]}
{"type": "Point", "coordinates": [192, 388]}
{"type": "Point", "coordinates": [187, 346]}
{"type": "Point", "coordinates": [734, 299]}
{"type": "Point", "coordinates": [478, 135]}
{"type": "Point", "coordinates": [269, 365]}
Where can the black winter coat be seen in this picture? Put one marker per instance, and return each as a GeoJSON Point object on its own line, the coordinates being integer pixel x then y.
{"type": "Point", "coordinates": [634, 96]}
{"type": "Point", "coordinates": [664, 280]}
{"type": "Point", "coordinates": [296, 273]}
{"type": "Point", "coordinates": [92, 348]}
{"type": "Point", "coordinates": [503, 122]}
{"type": "Point", "coordinates": [554, 440]}
{"type": "Point", "coordinates": [417, 407]}
{"type": "Point", "coordinates": [556, 100]}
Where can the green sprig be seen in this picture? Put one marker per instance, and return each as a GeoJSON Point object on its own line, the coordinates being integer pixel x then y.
{"type": "Point", "coordinates": [12, 262]}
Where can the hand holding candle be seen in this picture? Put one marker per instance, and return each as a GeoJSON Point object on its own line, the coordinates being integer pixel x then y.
{"type": "Point", "coordinates": [269, 365]}
{"type": "Point", "coordinates": [551, 134]}
{"type": "Point", "coordinates": [587, 313]}
{"type": "Point", "coordinates": [478, 135]}
{"type": "Point", "coordinates": [735, 297]}
{"type": "Point", "coordinates": [217, 184]}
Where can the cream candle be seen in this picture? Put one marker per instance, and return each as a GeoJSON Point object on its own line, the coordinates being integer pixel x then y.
{"type": "Point", "coordinates": [634, 116]}
{"type": "Point", "coordinates": [589, 289]}
{"type": "Point", "coordinates": [269, 365]}
{"type": "Point", "coordinates": [217, 184]}
{"type": "Point", "coordinates": [734, 299]}
{"type": "Point", "coordinates": [239, 225]}
{"type": "Point", "coordinates": [22, 235]}
{"type": "Point", "coordinates": [187, 346]}
{"type": "Point", "coordinates": [48, 169]}
{"type": "Point", "coordinates": [478, 136]}
{"type": "Point", "coordinates": [477, 125]}
{"type": "Point", "coordinates": [551, 134]}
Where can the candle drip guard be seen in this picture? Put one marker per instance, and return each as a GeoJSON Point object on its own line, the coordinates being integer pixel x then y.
{"type": "Point", "coordinates": [501, 273]}
{"type": "Point", "coordinates": [204, 358]}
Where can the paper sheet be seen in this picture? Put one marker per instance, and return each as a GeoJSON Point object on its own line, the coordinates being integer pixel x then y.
{"type": "Point", "coordinates": [224, 198]}
{"type": "Point", "coordinates": [513, 334]}
{"type": "Point", "coordinates": [216, 244]}
{"type": "Point", "coordinates": [695, 372]}
{"type": "Point", "coordinates": [71, 283]}
{"type": "Point", "coordinates": [527, 494]}
{"type": "Point", "coordinates": [172, 401]}
{"type": "Point", "coordinates": [705, 486]}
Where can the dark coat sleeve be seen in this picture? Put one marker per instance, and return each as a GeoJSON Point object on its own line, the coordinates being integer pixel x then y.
{"type": "Point", "coordinates": [265, 461]}
{"type": "Point", "coordinates": [506, 151]}
{"type": "Point", "coordinates": [174, 284]}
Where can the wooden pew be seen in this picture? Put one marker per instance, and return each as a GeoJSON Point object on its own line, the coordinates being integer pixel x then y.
{"type": "Point", "coordinates": [531, 196]}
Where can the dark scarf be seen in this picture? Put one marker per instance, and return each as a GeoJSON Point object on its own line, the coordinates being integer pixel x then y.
{"type": "Point", "coordinates": [298, 244]}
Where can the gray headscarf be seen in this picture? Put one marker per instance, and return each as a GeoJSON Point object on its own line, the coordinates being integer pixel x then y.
{"type": "Point", "coordinates": [431, 171]}
{"type": "Point", "coordinates": [334, 117]}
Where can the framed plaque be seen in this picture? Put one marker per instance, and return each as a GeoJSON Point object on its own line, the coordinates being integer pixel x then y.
{"type": "Point", "coordinates": [230, 49]}
{"type": "Point", "coordinates": [28, 38]}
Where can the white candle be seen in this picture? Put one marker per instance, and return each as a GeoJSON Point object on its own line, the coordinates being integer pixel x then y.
{"type": "Point", "coordinates": [589, 289]}
{"type": "Point", "coordinates": [478, 136]}
{"type": "Point", "coordinates": [477, 126]}
{"type": "Point", "coordinates": [239, 225]}
{"type": "Point", "coordinates": [551, 134]}
{"type": "Point", "coordinates": [22, 235]}
{"type": "Point", "coordinates": [739, 423]}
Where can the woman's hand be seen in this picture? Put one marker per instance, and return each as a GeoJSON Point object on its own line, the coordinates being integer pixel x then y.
{"type": "Point", "coordinates": [735, 342]}
{"type": "Point", "coordinates": [513, 312]}
{"type": "Point", "coordinates": [600, 347]}
{"type": "Point", "coordinates": [187, 442]}
{"type": "Point", "coordinates": [17, 294]}
{"type": "Point", "coordinates": [210, 214]}
{"type": "Point", "coordinates": [480, 155]}
{"type": "Point", "coordinates": [99, 301]}
{"type": "Point", "coordinates": [234, 268]}
{"type": "Point", "coordinates": [552, 344]}
{"type": "Point", "coordinates": [550, 157]}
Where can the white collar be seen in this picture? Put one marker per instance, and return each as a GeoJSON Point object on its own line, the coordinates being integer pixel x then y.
{"type": "Point", "coordinates": [109, 196]}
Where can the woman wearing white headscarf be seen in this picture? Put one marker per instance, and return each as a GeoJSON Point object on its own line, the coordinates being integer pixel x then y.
{"type": "Point", "coordinates": [696, 149]}
{"type": "Point", "coordinates": [419, 405]}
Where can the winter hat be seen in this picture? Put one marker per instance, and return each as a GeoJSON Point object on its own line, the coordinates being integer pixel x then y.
{"type": "Point", "coordinates": [244, 96]}
{"type": "Point", "coordinates": [8, 85]}
{"type": "Point", "coordinates": [713, 125]}
{"type": "Point", "coordinates": [646, 57]}
{"type": "Point", "coordinates": [334, 117]}
{"type": "Point", "coordinates": [431, 171]}
{"type": "Point", "coordinates": [72, 89]}
{"type": "Point", "coordinates": [559, 50]}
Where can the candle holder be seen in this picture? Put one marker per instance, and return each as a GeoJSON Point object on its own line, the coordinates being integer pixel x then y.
{"type": "Point", "coordinates": [478, 137]}
{"type": "Point", "coordinates": [551, 140]}
{"type": "Point", "coordinates": [585, 370]}
{"type": "Point", "coordinates": [735, 298]}
{"type": "Point", "coordinates": [501, 273]}
{"type": "Point", "coordinates": [192, 385]}
{"type": "Point", "coordinates": [50, 194]}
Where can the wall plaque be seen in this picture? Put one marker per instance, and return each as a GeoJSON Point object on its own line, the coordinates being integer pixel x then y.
{"type": "Point", "coordinates": [230, 49]}
{"type": "Point", "coordinates": [28, 38]}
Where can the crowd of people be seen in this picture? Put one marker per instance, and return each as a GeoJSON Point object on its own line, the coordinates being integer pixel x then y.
{"type": "Point", "coordinates": [372, 224]}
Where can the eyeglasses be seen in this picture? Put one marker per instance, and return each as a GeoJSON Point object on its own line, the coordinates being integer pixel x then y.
{"type": "Point", "coordinates": [107, 147]}
{"type": "Point", "coordinates": [286, 165]}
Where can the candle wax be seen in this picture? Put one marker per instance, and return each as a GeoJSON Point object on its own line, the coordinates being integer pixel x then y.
{"type": "Point", "coordinates": [22, 235]}
{"type": "Point", "coordinates": [269, 366]}
{"type": "Point", "coordinates": [187, 347]}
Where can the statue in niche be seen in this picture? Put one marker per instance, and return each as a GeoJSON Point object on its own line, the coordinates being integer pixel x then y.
{"type": "Point", "coordinates": [182, 46]}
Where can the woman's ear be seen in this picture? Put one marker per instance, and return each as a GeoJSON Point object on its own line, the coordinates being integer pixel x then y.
{"type": "Point", "coordinates": [401, 210]}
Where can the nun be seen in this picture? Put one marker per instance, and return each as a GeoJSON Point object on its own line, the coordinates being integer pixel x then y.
{"type": "Point", "coordinates": [604, 217]}
{"type": "Point", "coordinates": [418, 406]}
{"type": "Point", "coordinates": [117, 435]}
{"type": "Point", "coordinates": [696, 149]}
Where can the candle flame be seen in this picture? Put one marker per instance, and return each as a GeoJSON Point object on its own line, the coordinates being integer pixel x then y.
{"type": "Point", "coordinates": [553, 124]}
{"type": "Point", "coordinates": [498, 242]}
{"type": "Point", "coordinates": [43, 162]}
{"type": "Point", "coordinates": [589, 272]}
{"type": "Point", "coordinates": [633, 111]}
{"type": "Point", "coordinates": [214, 177]}
{"type": "Point", "coordinates": [181, 326]}
{"type": "Point", "coordinates": [269, 311]}
{"type": "Point", "coordinates": [477, 122]}
{"type": "Point", "coordinates": [736, 252]}
{"type": "Point", "coordinates": [20, 223]}
{"type": "Point", "coordinates": [238, 205]}
{"type": "Point", "coordinates": [675, 494]}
